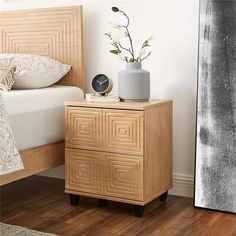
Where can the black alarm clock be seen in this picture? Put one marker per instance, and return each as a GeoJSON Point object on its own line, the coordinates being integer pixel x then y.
{"type": "Point", "coordinates": [102, 84]}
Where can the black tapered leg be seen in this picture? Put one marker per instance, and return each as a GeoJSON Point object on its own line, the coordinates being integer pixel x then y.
{"type": "Point", "coordinates": [139, 211]}
{"type": "Point", "coordinates": [163, 197]}
{"type": "Point", "coordinates": [74, 199]}
{"type": "Point", "coordinates": [102, 202]}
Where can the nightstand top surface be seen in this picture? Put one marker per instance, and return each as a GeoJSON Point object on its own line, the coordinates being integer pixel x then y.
{"type": "Point", "coordinates": [118, 105]}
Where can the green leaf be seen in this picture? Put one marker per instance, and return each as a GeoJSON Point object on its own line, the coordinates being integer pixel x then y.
{"type": "Point", "coordinates": [115, 52]}
{"type": "Point", "coordinates": [145, 44]}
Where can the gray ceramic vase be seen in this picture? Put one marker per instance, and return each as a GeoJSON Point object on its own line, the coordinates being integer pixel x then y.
{"type": "Point", "coordinates": [134, 83]}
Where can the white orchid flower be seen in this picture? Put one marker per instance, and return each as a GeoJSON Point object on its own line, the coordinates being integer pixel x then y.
{"type": "Point", "coordinates": [114, 24]}
{"type": "Point", "coordinates": [142, 52]}
{"type": "Point", "coordinates": [116, 35]}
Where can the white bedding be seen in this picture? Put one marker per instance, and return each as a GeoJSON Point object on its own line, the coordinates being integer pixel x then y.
{"type": "Point", "coordinates": [10, 159]}
{"type": "Point", "coordinates": [36, 116]}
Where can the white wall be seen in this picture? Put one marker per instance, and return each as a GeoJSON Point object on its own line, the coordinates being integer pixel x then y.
{"type": "Point", "coordinates": [173, 63]}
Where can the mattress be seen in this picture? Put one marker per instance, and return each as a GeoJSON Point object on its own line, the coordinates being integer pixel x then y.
{"type": "Point", "coordinates": [36, 116]}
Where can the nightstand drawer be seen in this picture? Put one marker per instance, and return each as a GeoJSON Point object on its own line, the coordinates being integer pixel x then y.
{"type": "Point", "coordinates": [83, 171]}
{"type": "Point", "coordinates": [118, 131]}
{"type": "Point", "coordinates": [123, 176]}
{"type": "Point", "coordinates": [123, 131]}
{"type": "Point", "coordinates": [83, 128]}
{"type": "Point", "coordinates": [108, 174]}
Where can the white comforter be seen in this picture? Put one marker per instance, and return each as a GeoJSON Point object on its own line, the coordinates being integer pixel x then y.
{"type": "Point", "coordinates": [31, 118]}
{"type": "Point", "coordinates": [10, 159]}
{"type": "Point", "coordinates": [38, 114]}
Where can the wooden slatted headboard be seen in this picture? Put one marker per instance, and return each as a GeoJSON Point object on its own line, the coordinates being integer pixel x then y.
{"type": "Point", "coordinates": [52, 32]}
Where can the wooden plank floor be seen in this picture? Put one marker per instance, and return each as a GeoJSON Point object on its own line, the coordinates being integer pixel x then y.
{"type": "Point", "coordinates": [39, 203]}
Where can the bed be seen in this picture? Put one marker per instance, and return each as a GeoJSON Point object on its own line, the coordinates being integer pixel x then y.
{"type": "Point", "coordinates": [55, 33]}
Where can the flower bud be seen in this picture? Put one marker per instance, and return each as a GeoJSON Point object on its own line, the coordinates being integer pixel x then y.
{"type": "Point", "coordinates": [115, 9]}
{"type": "Point", "coordinates": [142, 52]}
{"type": "Point", "coordinates": [150, 38]}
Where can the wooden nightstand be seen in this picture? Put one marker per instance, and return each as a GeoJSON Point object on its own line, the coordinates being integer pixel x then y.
{"type": "Point", "coordinates": [118, 151]}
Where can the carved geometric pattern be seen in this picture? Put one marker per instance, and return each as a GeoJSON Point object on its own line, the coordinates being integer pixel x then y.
{"type": "Point", "coordinates": [82, 171]}
{"type": "Point", "coordinates": [53, 32]}
{"type": "Point", "coordinates": [123, 131]}
{"type": "Point", "coordinates": [83, 128]}
{"type": "Point", "coordinates": [123, 176]}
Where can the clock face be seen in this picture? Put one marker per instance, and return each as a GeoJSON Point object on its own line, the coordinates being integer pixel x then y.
{"type": "Point", "coordinates": [100, 83]}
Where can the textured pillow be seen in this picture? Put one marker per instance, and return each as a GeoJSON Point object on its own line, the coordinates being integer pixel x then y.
{"type": "Point", "coordinates": [7, 70]}
{"type": "Point", "coordinates": [34, 71]}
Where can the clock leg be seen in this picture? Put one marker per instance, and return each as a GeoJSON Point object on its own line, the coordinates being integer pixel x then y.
{"type": "Point", "coordinates": [139, 211]}
{"type": "Point", "coordinates": [163, 197]}
{"type": "Point", "coordinates": [74, 199]}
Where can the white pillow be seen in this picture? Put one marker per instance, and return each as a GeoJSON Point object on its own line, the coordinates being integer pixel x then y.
{"type": "Point", "coordinates": [34, 71]}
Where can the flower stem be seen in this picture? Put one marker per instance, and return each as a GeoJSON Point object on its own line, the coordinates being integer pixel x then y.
{"type": "Point", "coordinates": [126, 49]}
{"type": "Point", "coordinates": [128, 34]}
{"type": "Point", "coordinates": [108, 35]}
{"type": "Point", "coordinates": [141, 59]}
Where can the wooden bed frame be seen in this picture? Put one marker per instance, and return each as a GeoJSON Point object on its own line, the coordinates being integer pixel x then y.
{"type": "Point", "coordinates": [52, 32]}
